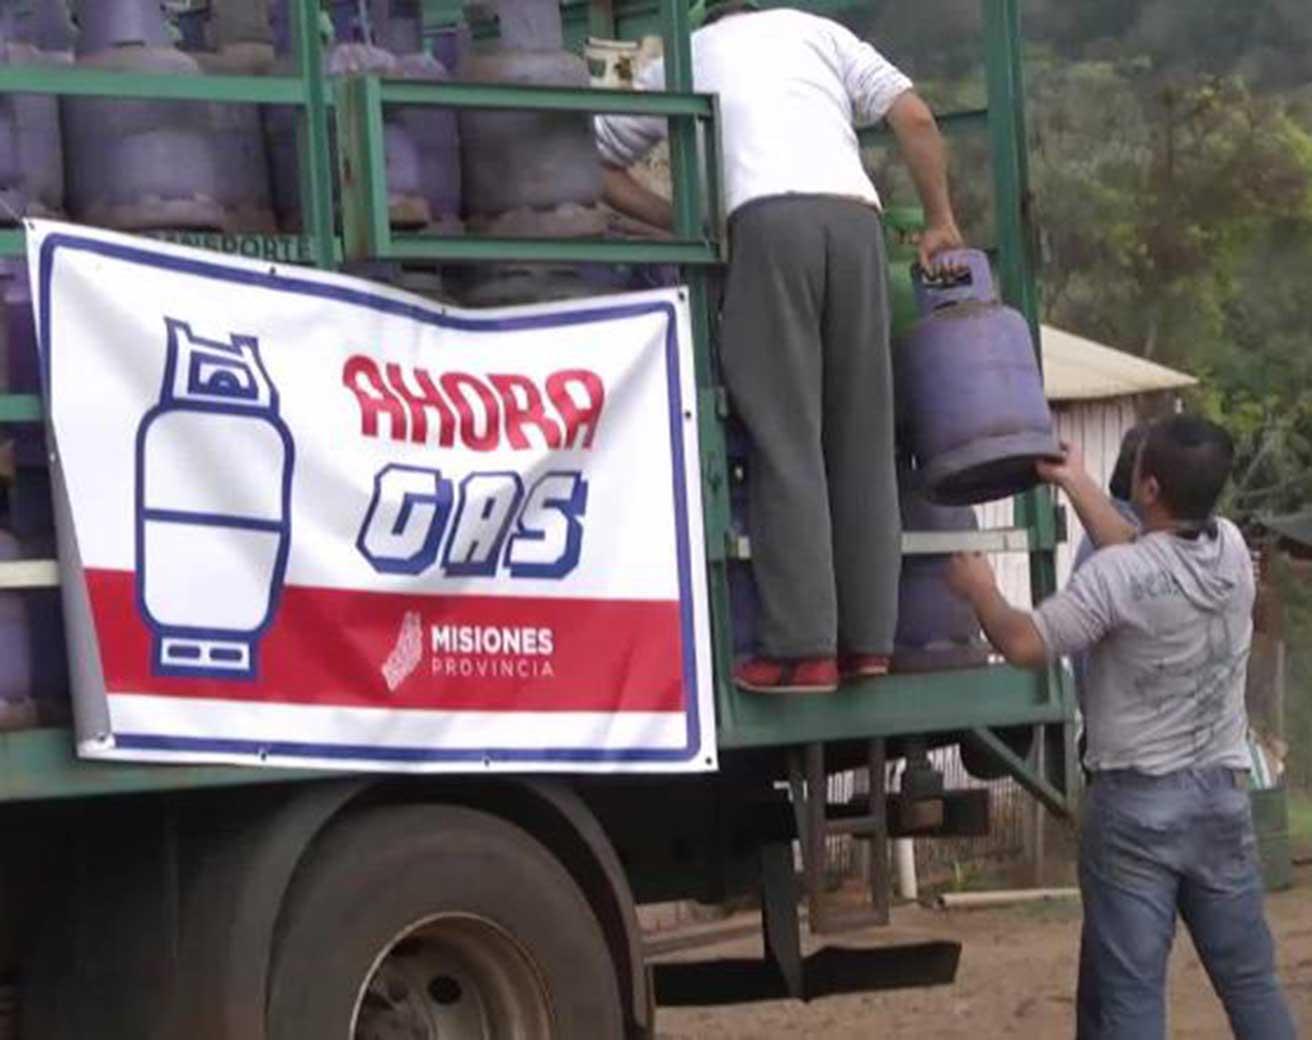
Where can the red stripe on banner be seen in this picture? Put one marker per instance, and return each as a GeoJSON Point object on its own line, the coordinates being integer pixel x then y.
{"type": "Point", "coordinates": [344, 647]}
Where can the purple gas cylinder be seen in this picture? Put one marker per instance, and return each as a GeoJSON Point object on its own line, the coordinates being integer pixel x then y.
{"type": "Point", "coordinates": [30, 513]}
{"type": "Point", "coordinates": [434, 130]}
{"type": "Point", "coordinates": [239, 41]}
{"type": "Point", "coordinates": [137, 165]}
{"type": "Point", "coordinates": [353, 52]}
{"type": "Point", "coordinates": [12, 194]}
{"type": "Point", "coordinates": [42, 35]}
{"type": "Point", "coordinates": [529, 172]}
{"type": "Point", "coordinates": [17, 705]}
{"type": "Point", "coordinates": [970, 389]}
{"type": "Point", "coordinates": [936, 629]}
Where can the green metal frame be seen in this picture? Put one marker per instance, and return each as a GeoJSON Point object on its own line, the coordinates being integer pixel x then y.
{"type": "Point", "coordinates": [40, 764]}
{"type": "Point", "coordinates": [360, 102]}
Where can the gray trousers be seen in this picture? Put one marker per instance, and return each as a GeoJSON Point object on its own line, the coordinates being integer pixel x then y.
{"type": "Point", "coordinates": [805, 354]}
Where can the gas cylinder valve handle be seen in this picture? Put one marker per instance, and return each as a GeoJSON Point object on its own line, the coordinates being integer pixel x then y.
{"type": "Point", "coordinates": [966, 277]}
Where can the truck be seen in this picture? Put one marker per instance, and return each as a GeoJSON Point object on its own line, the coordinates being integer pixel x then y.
{"type": "Point", "coordinates": [235, 902]}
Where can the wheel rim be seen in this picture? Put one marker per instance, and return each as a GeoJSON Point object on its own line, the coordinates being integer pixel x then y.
{"type": "Point", "coordinates": [452, 977]}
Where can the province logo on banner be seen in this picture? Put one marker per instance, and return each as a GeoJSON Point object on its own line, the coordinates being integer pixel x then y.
{"type": "Point", "coordinates": [310, 520]}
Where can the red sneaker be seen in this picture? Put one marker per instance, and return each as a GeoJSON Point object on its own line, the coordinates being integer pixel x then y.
{"type": "Point", "coordinates": [787, 675]}
{"type": "Point", "coordinates": [864, 666]}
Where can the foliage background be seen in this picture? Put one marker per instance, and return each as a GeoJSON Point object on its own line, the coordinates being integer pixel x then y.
{"type": "Point", "coordinates": [1171, 160]}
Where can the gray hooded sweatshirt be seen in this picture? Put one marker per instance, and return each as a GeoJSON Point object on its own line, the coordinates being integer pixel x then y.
{"type": "Point", "coordinates": [1167, 623]}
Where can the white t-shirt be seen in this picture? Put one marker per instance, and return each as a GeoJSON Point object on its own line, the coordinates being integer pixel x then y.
{"type": "Point", "coordinates": [792, 88]}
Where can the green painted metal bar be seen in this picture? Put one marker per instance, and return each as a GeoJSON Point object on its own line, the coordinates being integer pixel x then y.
{"type": "Point", "coordinates": [71, 81]}
{"type": "Point", "coordinates": [1021, 771]}
{"type": "Point", "coordinates": [285, 249]}
{"type": "Point", "coordinates": [953, 124]}
{"type": "Point", "coordinates": [690, 217]}
{"type": "Point", "coordinates": [556, 99]}
{"type": "Point", "coordinates": [601, 19]}
{"type": "Point", "coordinates": [312, 134]}
{"type": "Point", "coordinates": [551, 250]}
{"type": "Point", "coordinates": [1017, 261]}
{"type": "Point", "coordinates": [40, 765]}
{"type": "Point", "coordinates": [1006, 130]}
{"type": "Point", "coordinates": [362, 162]}
{"type": "Point", "coordinates": [20, 408]}
{"type": "Point", "coordinates": [891, 706]}
{"type": "Point", "coordinates": [717, 220]}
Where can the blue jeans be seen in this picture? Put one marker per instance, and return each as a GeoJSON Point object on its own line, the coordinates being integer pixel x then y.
{"type": "Point", "coordinates": [1154, 846]}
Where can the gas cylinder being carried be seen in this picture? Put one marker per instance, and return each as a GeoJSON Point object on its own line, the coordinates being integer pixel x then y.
{"type": "Point", "coordinates": [969, 388]}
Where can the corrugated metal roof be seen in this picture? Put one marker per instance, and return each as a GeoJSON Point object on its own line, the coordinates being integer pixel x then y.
{"type": "Point", "coordinates": [1297, 527]}
{"type": "Point", "coordinates": [1078, 369]}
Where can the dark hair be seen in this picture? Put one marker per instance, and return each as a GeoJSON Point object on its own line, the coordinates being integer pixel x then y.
{"type": "Point", "coordinates": [717, 9]}
{"type": "Point", "coordinates": [1191, 460]}
{"type": "Point", "coordinates": [1122, 483]}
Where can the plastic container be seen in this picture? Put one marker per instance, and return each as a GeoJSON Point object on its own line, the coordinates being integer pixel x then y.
{"type": "Point", "coordinates": [970, 390]}
{"type": "Point", "coordinates": [902, 225]}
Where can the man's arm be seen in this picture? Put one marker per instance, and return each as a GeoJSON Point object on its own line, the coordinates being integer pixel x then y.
{"type": "Point", "coordinates": [1012, 632]}
{"type": "Point", "coordinates": [622, 191]}
{"type": "Point", "coordinates": [1101, 519]}
{"type": "Point", "coordinates": [880, 90]}
{"type": "Point", "coordinates": [1070, 622]}
{"type": "Point", "coordinates": [621, 141]}
{"type": "Point", "coordinates": [922, 147]}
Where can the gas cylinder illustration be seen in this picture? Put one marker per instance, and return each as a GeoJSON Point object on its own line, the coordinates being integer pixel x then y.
{"type": "Point", "coordinates": [214, 471]}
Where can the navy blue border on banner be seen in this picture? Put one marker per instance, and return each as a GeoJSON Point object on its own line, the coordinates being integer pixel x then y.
{"type": "Point", "coordinates": [277, 281]}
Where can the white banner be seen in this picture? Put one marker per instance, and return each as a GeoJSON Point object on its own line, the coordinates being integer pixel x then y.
{"type": "Point", "coordinates": [317, 521]}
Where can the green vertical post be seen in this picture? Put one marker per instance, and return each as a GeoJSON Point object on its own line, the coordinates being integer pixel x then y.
{"type": "Point", "coordinates": [689, 214]}
{"type": "Point", "coordinates": [362, 168]}
{"type": "Point", "coordinates": [312, 134]}
{"type": "Point", "coordinates": [1015, 256]}
{"type": "Point", "coordinates": [601, 19]}
{"type": "Point", "coordinates": [1017, 268]}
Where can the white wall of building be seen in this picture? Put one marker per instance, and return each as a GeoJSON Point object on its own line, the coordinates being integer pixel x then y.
{"type": "Point", "coordinates": [1097, 428]}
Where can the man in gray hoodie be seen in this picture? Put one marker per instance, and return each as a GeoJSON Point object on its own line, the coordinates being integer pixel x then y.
{"type": "Point", "coordinates": [1164, 614]}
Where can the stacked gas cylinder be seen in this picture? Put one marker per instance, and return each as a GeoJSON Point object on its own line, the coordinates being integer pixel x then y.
{"type": "Point", "coordinates": [421, 145]}
{"type": "Point", "coordinates": [972, 421]}
{"type": "Point", "coordinates": [529, 174]}
{"type": "Point", "coordinates": [140, 165]}
{"type": "Point", "coordinates": [33, 673]}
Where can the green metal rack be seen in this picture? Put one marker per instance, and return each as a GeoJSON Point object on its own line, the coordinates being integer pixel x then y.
{"type": "Point", "coordinates": [973, 704]}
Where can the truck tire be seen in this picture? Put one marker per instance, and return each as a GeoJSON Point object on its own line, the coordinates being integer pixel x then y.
{"type": "Point", "coordinates": [438, 921]}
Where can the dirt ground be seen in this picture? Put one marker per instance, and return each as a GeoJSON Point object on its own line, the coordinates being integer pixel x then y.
{"type": "Point", "coordinates": [1017, 978]}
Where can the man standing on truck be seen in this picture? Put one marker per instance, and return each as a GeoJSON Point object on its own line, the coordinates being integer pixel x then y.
{"type": "Point", "coordinates": [1166, 618]}
{"type": "Point", "coordinates": [804, 342]}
